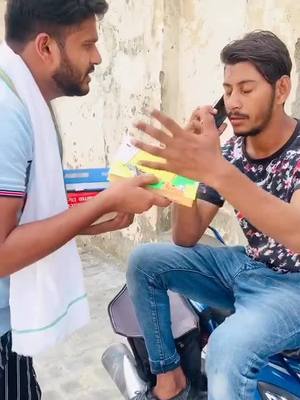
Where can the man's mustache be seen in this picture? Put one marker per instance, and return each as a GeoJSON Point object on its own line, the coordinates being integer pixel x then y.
{"type": "Point", "coordinates": [237, 115]}
{"type": "Point", "coordinates": [91, 70]}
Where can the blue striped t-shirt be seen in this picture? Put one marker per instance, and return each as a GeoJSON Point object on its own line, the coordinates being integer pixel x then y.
{"type": "Point", "coordinates": [16, 152]}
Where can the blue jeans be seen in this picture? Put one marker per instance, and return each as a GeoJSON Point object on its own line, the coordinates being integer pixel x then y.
{"type": "Point", "coordinates": [266, 320]}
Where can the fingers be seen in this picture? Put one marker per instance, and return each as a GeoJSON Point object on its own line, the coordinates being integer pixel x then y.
{"type": "Point", "coordinates": [126, 220]}
{"type": "Point", "coordinates": [130, 218]}
{"type": "Point", "coordinates": [154, 150]}
{"type": "Point", "coordinates": [206, 115]}
{"type": "Point", "coordinates": [197, 113]}
{"type": "Point", "coordinates": [195, 123]}
{"type": "Point", "coordinates": [196, 126]}
{"type": "Point", "coordinates": [160, 201]}
{"type": "Point", "coordinates": [206, 110]}
{"type": "Point", "coordinates": [157, 134]}
{"type": "Point", "coordinates": [189, 126]}
{"type": "Point", "coordinates": [143, 180]}
{"type": "Point", "coordinates": [121, 221]}
{"type": "Point", "coordinates": [167, 122]}
{"type": "Point", "coordinates": [154, 165]}
{"type": "Point", "coordinates": [122, 216]}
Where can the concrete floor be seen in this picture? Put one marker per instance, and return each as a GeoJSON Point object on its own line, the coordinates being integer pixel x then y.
{"type": "Point", "coordinates": [73, 371]}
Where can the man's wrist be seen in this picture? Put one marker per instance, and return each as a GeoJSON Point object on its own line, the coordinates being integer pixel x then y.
{"type": "Point", "coordinates": [112, 200]}
{"type": "Point", "coordinates": [222, 171]}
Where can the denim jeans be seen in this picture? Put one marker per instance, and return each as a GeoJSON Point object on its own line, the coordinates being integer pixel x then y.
{"type": "Point", "coordinates": [266, 304]}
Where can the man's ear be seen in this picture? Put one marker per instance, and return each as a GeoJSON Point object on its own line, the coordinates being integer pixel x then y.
{"type": "Point", "coordinates": [47, 49]}
{"type": "Point", "coordinates": [283, 89]}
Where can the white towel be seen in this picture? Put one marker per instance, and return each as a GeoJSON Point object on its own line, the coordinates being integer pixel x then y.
{"type": "Point", "coordinates": [47, 300]}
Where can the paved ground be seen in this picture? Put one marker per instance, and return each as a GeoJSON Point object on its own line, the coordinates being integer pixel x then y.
{"type": "Point", "coordinates": [73, 371]}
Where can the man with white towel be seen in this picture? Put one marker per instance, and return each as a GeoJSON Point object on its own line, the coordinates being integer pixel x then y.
{"type": "Point", "coordinates": [49, 51]}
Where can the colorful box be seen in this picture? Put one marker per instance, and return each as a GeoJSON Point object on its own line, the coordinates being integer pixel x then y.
{"type": "Point", "coordinates": [91, 180]}
{"type": "Point", "coordinates": [176, 188]}
{"type": "Point", "coordinates": [75, 198]}
{"type": "Point", "coordinates": [84, 184]}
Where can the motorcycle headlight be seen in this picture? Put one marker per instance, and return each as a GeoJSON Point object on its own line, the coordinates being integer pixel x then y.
{"type": "Point", "coordinates": [271, 392]}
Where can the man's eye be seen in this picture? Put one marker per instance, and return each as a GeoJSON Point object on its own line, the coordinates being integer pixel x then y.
{"type": "Point", "coordinates": [227, 94]}
{"type": "Point", "coordinates": [247, 91]}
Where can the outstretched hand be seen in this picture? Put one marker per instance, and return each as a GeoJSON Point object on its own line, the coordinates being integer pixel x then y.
{"type": "Point", "coordinates": [196, 156]}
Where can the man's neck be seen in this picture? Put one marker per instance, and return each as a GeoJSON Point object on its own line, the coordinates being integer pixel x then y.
{"type": "Point", "coordinates": [271, 139]}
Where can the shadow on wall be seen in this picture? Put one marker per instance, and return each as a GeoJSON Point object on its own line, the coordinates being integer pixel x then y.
{"type": "Point", "coordinates": [296, 104]}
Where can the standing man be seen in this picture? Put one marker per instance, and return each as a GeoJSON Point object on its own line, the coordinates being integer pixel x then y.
{"type": "Point", "coordinates": [257, 171]}
{"type": "Point", "coordinates": [50, 51]}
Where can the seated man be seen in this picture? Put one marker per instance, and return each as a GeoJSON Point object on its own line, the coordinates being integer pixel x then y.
{"type": "Point", "coordinates": [258, 173]}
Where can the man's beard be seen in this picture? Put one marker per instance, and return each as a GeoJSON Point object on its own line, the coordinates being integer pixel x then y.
{"type": "Point", "coordinates": [253, 132]}
{"type": "Point", "coordinates": [257, 130]}
{"type": "Point", "coordinates": [69, 80]}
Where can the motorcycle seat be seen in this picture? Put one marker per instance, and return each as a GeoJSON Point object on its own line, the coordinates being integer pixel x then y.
{"type": "Point", "coordinates": [124, 322]}
{"type": "Point", "coordinates": [292, 354]}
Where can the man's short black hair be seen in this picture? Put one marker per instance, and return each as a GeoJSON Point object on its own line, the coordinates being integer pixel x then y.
{"type": "Point", "coordinates": [264, 50]}
{"type": "Point", "coordinates": [25, 19]}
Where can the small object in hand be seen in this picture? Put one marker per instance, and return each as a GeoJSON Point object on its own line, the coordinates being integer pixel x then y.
{"type": "Point", "coordinates": [84, 184]}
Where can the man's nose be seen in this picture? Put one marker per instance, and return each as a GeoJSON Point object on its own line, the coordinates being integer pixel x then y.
{"type": "Point", "coordinates": [97, 59]}
{"type": "Point", "coordinates": [233, 102]}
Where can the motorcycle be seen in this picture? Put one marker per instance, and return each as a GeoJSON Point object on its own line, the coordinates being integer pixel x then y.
{"type": "Point", "coordinates": [192, 323]}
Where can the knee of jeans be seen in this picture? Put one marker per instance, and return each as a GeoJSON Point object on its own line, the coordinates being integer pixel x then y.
{"type": "Point", "coordinates": [217, 355]}
{"type": "Point", "coordinates": [219, 369]}
{"type": "Point", "coordinates": [232, 364]}
{"type": "Point", "coordinates": [228, 352]}
{"type": "Point", "coordinates": [232, 354]}
{"type": "Point", "coordinates": [140, 259]}
{"type": "Point", "coordinates": [219, 387]}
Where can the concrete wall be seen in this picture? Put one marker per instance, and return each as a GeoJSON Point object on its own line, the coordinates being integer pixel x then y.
{"type": "Point", "coordinates": [163, 53]}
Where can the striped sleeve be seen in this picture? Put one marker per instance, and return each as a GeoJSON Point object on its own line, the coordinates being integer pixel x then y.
{"type": "Point", "coordinates": [16, 148]}
{"type": "Point", "coordinates": [11, 193]}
